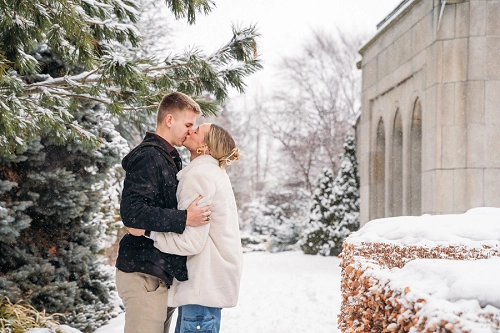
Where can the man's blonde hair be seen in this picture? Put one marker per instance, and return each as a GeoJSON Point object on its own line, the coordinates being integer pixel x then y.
{"type": "Point", "coordinates": [221, 146]}
{"type": "Point", "coordinates": [174, 103]}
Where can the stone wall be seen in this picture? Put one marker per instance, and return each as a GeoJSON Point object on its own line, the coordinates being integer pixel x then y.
{"type": "Point", "coordinates": [430, 119]}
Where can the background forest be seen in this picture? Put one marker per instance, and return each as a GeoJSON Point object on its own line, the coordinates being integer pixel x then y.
{"type": "Point", "coordinates": [79, 83]}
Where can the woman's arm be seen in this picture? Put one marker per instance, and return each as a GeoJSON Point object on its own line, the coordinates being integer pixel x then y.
{"type": "Point", "coordinates": [193, 239]}
{"type": "Point", "coordinates": [189, 243]}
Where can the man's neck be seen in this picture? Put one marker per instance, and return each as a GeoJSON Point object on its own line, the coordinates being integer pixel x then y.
{"type": "Point", "coordinates": [165, 135]}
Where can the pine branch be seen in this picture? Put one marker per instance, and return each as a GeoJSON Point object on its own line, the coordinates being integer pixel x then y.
{"type": "Point", "coordinates": [189, 8]}
{"type": "Point", "coordinates": [85, 97]}
{"type": "Point", "coordinates": [216, 71]}
{"type": "Point", "coordinates": [88, 41]}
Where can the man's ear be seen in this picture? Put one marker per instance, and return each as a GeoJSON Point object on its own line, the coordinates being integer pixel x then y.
{"type": "Point", "coordinates": [168, 120]}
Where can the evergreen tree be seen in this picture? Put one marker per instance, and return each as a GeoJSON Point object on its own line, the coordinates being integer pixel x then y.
{"type": "Point", "coordinates": [255, 225]}
{"type": "Point", "coordinates": [346, 204]}
{"type": "Point", "coordinates": [69, 73]}
{"type": "Point", "coordinates": [320, 215]}
{"type": "Point", "coordinates": [335, 213]}
{"type": "Point", "coordinates": [51, 198]}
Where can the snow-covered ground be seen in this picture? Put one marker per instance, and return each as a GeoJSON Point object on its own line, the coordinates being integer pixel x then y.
{"type": "Point", "coordinates": [292, 292]}
{"type": "Point", "coordinates": [287, 292]}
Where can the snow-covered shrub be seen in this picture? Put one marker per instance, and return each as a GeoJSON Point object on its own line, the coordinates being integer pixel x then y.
{"type": "Point", "coordinates": [275, 221]}
{"type": "Point", "coordinates": [429, 273]}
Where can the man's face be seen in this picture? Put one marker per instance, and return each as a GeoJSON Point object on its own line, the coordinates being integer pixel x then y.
{"type": "Point", "coordinates": [181, 124]}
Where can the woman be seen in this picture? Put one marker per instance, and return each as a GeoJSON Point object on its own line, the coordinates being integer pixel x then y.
{"type": "Point", "coordinates": [214, 251]}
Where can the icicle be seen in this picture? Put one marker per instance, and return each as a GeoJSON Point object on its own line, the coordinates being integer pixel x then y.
{"type": "Point", "coordinates": [441, 14]}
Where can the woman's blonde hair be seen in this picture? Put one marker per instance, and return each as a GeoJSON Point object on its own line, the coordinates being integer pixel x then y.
{"type": "Point", "coordinates": [221, 146]}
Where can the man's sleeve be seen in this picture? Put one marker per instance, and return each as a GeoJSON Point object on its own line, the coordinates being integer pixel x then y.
{"type": "Point", "coordinates": [140, 186]}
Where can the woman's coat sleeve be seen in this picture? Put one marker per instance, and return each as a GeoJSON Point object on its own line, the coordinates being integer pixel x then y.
{"type": "Point", "coordinates": [193, 239]}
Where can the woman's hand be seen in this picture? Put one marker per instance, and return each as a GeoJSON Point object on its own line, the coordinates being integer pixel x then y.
{"type": "Point", "coordinates": [136, 232]}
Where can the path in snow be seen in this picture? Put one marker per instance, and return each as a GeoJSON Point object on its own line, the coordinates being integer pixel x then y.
{"type": "Point", "coordinates": [287, 292]}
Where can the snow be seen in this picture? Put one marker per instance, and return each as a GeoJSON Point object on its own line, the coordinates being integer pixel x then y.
{"type": "Point", "coordinates": [451, 280]}
{"type": "Point", "coordinates": [474, 229]}
{"type": "Point", "coordinates": [119, 59]}
{"type": "Point", "coordinates": [280, 292]}
{"type": "Point", "coordinates": [63, 329]}
{"type": "Point", "coordinates": [397, 11]}
{"type": "Point", "coordinates": [128, 8]}
{"type": "Point", "coordinates": [466, 293]}
{"type": "Point", "coordinates": [19, 140]}
{"type": "Point", "coordinates": [97, 4]}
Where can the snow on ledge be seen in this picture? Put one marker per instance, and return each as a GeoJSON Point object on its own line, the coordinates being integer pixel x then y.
{"type": "Point", "coordinates": [477, 228]}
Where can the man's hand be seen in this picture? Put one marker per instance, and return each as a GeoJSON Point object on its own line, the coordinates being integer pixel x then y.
{"type": "Point", "coordinates": [197, 216]}
{"type": "Point", "coordinates": [136, 232]}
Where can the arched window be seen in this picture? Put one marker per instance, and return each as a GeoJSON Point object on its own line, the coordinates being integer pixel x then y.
{"type": "Point", "coordinates": [415, 191]}
{"type": "Point", "coordinates": [377, 208]}
{"type": "Point", "coordinates": [396, 202]}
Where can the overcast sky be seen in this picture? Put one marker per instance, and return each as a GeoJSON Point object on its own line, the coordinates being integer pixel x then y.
{"type": "Point", "coordinates": [283, 24]}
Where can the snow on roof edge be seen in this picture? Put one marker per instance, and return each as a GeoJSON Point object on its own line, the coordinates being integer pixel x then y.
{"type": "Point", "coordinates": [382, 25]}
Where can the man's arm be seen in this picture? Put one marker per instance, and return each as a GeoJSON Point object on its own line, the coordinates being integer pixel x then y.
{"type": "Point", "coordinates": [137, 205]}
{"type": "Point", "coordinates": [200, 216]}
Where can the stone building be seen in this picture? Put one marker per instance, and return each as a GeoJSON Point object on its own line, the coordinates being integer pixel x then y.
{"type": "Point", "coordinates": [429, 131]}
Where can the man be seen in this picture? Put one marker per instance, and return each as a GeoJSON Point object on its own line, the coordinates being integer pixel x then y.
{"type": "Point", "coordinates": [149, 202]}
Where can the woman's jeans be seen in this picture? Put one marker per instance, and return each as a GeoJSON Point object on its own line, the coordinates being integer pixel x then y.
{"type": "Point", "coordinates": [197, 318]}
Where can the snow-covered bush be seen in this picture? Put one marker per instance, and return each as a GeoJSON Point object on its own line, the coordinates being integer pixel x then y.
{"type": "Point", "coordinates": [275, 221]}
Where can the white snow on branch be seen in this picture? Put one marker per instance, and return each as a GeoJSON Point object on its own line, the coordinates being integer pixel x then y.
{"type": "Point", "coordinates": [19, 20]}
{"type": "Point", "coordinates": [119, 59]}
{"type": "Point", "coordinates": [97, 4]}
{"type": "Point", "coordinates": [89, 76]}
{"type": "Point", "coordinates": [81, 130]}
{"type": "Point", "coordinates": [128, 8]}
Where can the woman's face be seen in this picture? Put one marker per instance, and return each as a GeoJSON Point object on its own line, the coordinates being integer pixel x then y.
{"type": "Point", "coordinates": [196, 137]}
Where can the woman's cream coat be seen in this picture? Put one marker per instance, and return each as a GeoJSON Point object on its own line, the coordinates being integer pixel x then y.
{"type": "Point", "coordinates": [214, 251]}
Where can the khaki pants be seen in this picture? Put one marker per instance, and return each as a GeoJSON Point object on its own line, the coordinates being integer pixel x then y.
{"type": "Point", "coordinates": [145, 299]}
